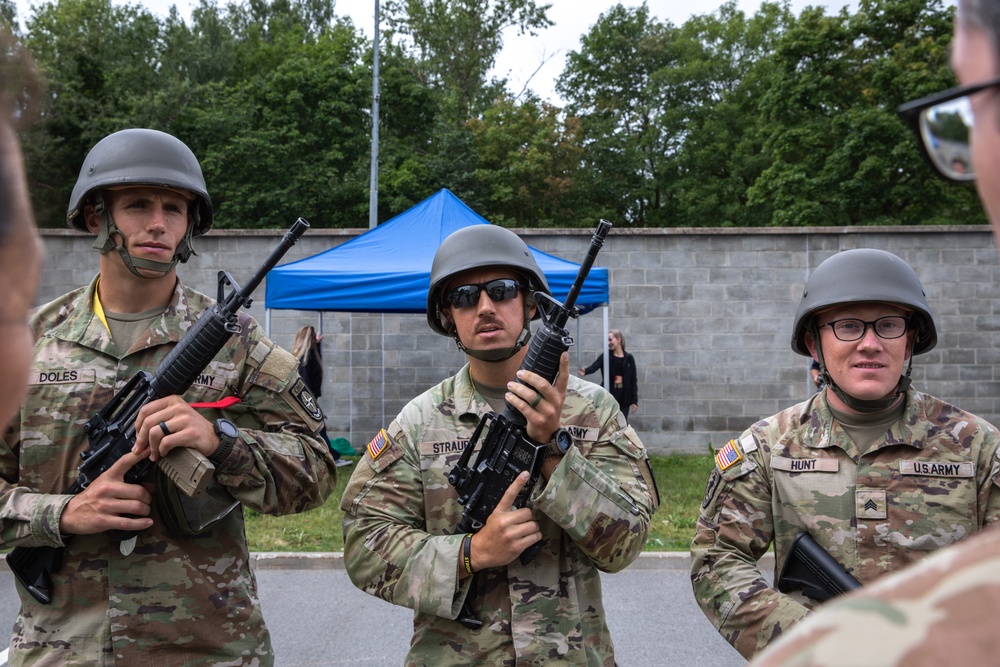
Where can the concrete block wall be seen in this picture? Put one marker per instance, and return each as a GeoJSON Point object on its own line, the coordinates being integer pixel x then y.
{"type": "Point", "coordinates": [706, 312]}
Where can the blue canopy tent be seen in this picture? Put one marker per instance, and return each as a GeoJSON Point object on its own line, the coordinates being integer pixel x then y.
{"type": "Point", "coordinates": [387, 269]}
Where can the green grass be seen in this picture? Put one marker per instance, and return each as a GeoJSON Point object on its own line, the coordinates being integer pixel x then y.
{"type": "Point", "coordinates": [681, 480]}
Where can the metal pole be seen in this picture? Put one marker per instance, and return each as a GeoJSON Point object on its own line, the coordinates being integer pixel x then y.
{"type": "Point", "coordinates": [373, 194]}
{"type": "Point", "coordinates": [607, 353]}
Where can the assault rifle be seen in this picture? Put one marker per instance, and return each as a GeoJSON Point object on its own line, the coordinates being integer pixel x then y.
{"type": "Point", "coordinates": [112, 430]}
{"type": "Point", "coordinates": [812, 569]}
{"type": "Point", "coordinates": [507, 450]}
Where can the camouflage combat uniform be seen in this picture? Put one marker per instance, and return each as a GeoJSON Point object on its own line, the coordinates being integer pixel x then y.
{"type": "Point", "coordinates": [175, 600]}
{"type": "Point", "coordinates": [401, 513]}
{"type": "Point", "coordinates": [941, 611]}
{"type": "Point", "coordinates": [927, 483]}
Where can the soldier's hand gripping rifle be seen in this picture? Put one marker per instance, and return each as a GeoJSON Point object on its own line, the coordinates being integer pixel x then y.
{"type": "Point", "coordinates": [112, 430]}
{"type": "Point", "coordinates": [507, 450]}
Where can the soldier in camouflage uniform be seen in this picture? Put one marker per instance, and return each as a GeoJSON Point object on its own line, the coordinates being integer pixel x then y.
{"type": "Point", "coordinates": [20, 245]}
{"type": "Point", "coordinates": [943, 610]}
{"type": "Point", "coordinates": [181, 592]}
{"type": "Point", "coordinates": [590, 508]}
{"type": "Point", "coordinates": [879, 474]}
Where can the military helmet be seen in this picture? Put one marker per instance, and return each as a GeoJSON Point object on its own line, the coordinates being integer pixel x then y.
{"type": "Point", "coordinates": [474, 247]}
{"type": "Point", "coordinates": [865, 275]}
{"type": "Point", "coordinates": [138, 157]}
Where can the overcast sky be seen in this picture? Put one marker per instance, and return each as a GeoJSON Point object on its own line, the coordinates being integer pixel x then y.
{"type": "Point", "coordinates": [523, 55]}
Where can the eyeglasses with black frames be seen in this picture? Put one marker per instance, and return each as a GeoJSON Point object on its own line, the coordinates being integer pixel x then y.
{"type": "Point", "coordinates": [498, 290]}
{"type": "Point", "coordinates": [851, 329]}
{"type": "Point", "coordinates": [943, 123]}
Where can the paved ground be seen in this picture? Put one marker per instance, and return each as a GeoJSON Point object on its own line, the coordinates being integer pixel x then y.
{"type": "Point", "coordinates": [318, 619]}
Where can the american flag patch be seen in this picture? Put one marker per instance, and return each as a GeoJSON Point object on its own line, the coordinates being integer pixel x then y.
{"type": "Point", "coordinates": [377, 445]}
{"type": "Point", "coordinates": [727, 456]}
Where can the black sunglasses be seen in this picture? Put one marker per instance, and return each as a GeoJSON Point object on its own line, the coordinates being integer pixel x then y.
{"type": "Point", "coordinates": [943, 124]}
{"type": "Point", "coordinates": [468, 295]}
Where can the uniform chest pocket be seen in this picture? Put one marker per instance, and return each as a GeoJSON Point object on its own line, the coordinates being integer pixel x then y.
{"type": "Point", "coordinates": [51, 429]}
{"type": "Point", "coordinates": [932, 504]}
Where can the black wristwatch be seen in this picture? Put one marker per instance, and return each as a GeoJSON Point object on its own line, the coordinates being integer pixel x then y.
{"type": "Point", "coordinates": [560, 443]}
{"type": "Point", "coordinates": [227, 432]}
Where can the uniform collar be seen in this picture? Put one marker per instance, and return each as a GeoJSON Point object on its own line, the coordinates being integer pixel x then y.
{"type": "Point", "coordinates": [83, 326]}
{"type": "Point", "coordinates": [468, 401]}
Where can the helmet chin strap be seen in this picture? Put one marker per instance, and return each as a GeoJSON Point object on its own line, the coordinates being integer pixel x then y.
{"type": "Point", "coordinates": [861, 405]}
{"type": "Point", "coordinates": [105, 242]}
{"type": "Point", "coordinates": [503, 353]}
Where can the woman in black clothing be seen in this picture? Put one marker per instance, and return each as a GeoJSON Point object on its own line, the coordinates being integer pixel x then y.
{"type": "Point", "coordinates": [307, 350]}
{"type": "Point", "coordinates": [621, 366]}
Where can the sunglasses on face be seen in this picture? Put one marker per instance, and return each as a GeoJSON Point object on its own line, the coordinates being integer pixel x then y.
{"type": "Point", "coordinates": [498, 290]}
{"type": "Point", "coordinates": [943, 123]}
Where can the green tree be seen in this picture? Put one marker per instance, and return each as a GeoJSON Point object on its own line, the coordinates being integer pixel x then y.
{"type": "Point", "coordinates": [456, 43]}
{"type": "Point", "coordinates": [94, 55]}
{"type": "Point", "coordinates": [611, 86]}
{"type": "Point", "coordinates": [287, 142]}
{"type": "Point", "coordinates": [528, 164]}
{"type": "Point", "coordinates": [837, 153]}
{"type": "Point", "coordinates": [714, 112]}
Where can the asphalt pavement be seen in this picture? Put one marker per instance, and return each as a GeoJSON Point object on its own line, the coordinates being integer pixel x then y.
{"type": "Point", "coordinates": [317, 618]}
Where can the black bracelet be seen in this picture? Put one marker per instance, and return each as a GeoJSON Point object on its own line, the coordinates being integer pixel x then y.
{"type": "Point", "coordinates": [467, 553]}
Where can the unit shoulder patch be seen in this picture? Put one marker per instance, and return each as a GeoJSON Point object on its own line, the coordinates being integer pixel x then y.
{"type": "Point", "coordinates": [300, 392]}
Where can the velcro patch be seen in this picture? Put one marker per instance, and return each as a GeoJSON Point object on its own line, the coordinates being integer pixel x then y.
{"type": "Point", "coordinates": [210, 381]}
{"type": "Point", "coordinates": [378, 444]}
{"type": "Point", "coordinates": [728, 456]}
{"type": "Point", "coordinates": [804, 465]}
{"type": "Point", "coordinates": [870, 503]}
{"type": "Point", "coordinates": [936, 468]}
{"type": "Point", "coordinates": [583, 433]}
{"type": "Point", "coordinates": [443, 448]}
{"type": "Point", "coordinates": [711, 488]}
{"type": "Point", "coordinates": [60, 376]}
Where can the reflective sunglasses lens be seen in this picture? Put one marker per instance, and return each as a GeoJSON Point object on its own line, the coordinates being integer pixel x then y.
{"type": "Point", "coordinates": [468, 295]}
{"type": "Point", "coordinates": [463, 297]}
{"type": "Point", "coordinates": [945, 129]}
{"type": "Point", "coordinates": [503, 289]}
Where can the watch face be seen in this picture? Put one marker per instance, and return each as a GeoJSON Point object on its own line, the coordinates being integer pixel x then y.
{"type": "Point", "coordinates": [226, 428]}
{"type": "Point", "coordinates": [563, 440]}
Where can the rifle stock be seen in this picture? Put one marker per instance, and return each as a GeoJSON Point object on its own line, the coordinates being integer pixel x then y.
{"type": "Point", "coordinates": [111, 431]}
{"type": "Point", "coordinates": [507, 450]}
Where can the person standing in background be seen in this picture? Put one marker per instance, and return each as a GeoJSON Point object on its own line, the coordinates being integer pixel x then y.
{"type": "Point", "coordinates": [621, 367]}
{"type": "Point", "coordinates": [307, 349]}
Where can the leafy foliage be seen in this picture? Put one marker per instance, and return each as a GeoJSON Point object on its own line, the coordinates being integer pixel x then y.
{"type": "Point", "coordinates": [727, 120]}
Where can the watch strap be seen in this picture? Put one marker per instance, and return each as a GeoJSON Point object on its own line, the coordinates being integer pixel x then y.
{"type": "Point", "coordinates": [226, 444]}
